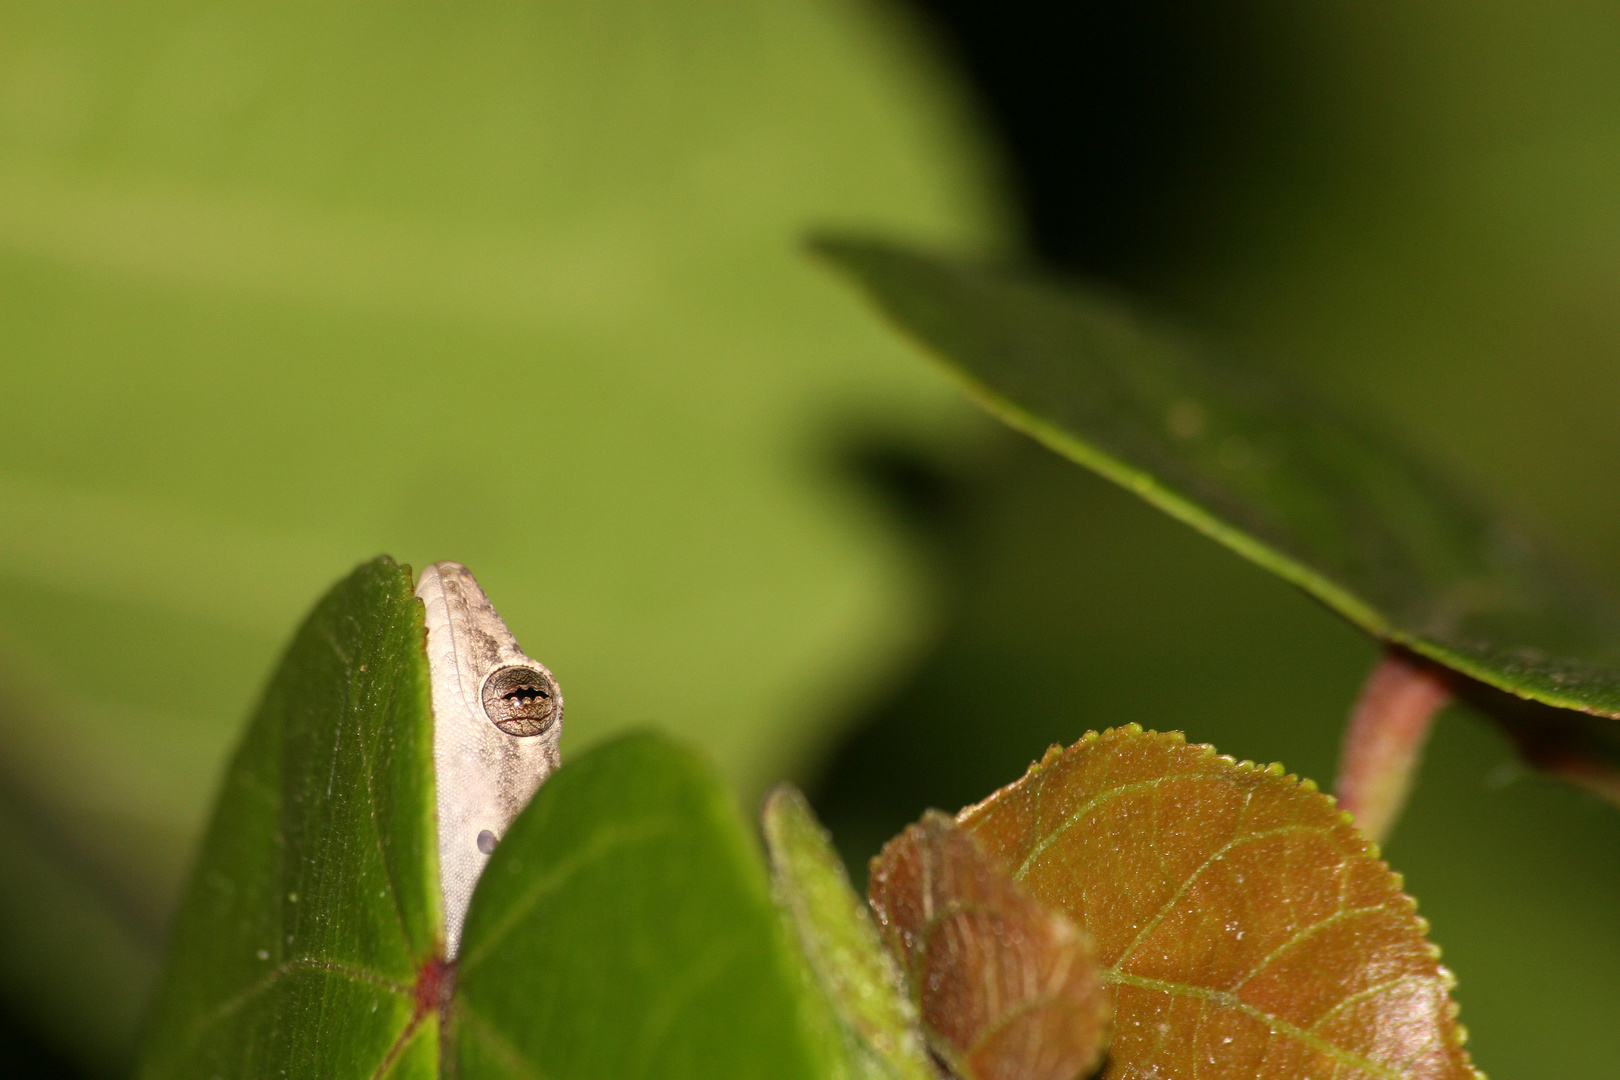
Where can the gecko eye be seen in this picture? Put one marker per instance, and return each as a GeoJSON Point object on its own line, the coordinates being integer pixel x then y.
{"type": "Point", "coordinates": [521, 701]}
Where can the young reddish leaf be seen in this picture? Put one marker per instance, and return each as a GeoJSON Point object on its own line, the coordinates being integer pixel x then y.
{"type": "Point", "coordinates": [1247, 929]}
{"type": "Point", "coordinates": [1006, 984]}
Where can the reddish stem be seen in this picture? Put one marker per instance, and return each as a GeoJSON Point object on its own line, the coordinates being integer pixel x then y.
{"type": "Point", "coordinates": [434, 982]}
{"type": "Point", "coordinates": [1385, 738]}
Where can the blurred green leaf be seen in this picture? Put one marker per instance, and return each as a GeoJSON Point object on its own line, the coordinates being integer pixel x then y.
{"type": "Point", "coordinates": [625, 928]}
{"type": "Point", "coordinates": [877, 1021]}
{"type": "Point", "coordinates": [1270, 471]}
{"type": "Point", "coordinates": [284, 285]}
{"type": "Point", "coordinates": [315, 907]}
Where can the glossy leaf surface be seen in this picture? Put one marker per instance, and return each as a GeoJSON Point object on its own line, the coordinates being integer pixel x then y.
{"type": "Point", "coordinates": [1007, 984]}
{"type": "Point", "coordinates": [315, 902]}
{"type": "Point", "coordinates": [1247, 929]}
{"type": "Point", "coordinates": [877, 1021]}
{"type": "Point", "coordinates": [624, 928]}
{"type": "Point", "coordinates": [1267, 469]}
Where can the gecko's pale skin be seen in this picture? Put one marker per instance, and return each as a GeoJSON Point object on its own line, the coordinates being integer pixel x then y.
{"type": "Point", "coordinates": [497, 716]}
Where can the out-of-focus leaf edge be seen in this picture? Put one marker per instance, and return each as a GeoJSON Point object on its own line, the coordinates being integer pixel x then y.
{"type": "Point", "coordinates": [875, 1019]}
{"type": "Point", "coordinates": [857, 259]}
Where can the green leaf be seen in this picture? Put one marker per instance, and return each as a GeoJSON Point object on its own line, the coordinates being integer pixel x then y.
{"type": "Point", "coordinates": [876, 1019]}
{"type": "Point", "coordinates": [1266, 469]}
{"type": "Point", "coordinates": [624, 928]}
{"type": "Point", "coordinates": [314, 906]}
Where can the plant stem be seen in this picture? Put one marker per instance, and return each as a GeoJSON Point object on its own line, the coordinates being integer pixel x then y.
{"type": "Point", "coordinates": [1385, 738]}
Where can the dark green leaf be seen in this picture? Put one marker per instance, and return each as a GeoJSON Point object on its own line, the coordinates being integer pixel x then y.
{"type": "Point", "coordinates": [1268, 470]}
{"type": "Point", "coordinates": [624, 928]}
{"type": "Point", "coordinates": [314, 906]}
{"type": "Point", "coordinates": [876, 1019]}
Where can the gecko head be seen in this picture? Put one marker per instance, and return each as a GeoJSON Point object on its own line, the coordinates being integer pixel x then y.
{"type": "Point", "coordinates": [522, 700]}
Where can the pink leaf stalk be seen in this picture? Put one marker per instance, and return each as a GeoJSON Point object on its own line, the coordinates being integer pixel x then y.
{"type": "Point", "coordinates": [1385, 738]}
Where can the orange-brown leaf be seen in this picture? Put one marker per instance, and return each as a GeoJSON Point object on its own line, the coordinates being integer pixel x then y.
{"type": "Point", "coordinates": [1247, 928]}
{"type": "Point", "coordinates": [1006, 984]}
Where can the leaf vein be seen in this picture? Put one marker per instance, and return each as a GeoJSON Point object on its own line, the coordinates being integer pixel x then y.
{"type": "Point", "coordinates": [1274, 1025]}
{"type": "Point", "coordinates": [1363, 995]}
{"type": "Point", "coordinates": [602, 844]}
{"type": "Point", "coordinates": [1075, 816]}
{"type": "Point", "coordinates": [496, 1043]}
{"type": "Point", "coordinates": [1215, 857]}
{"type": "Point", "coordinates": [1301, 935]}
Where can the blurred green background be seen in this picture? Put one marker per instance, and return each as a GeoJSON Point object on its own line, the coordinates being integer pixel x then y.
{"type": "Point", "coordinates": [522, 285]}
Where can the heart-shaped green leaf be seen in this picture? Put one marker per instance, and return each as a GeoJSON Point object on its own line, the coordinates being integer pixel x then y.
{"type": "Point", "coordinates": [1246, 927]}
{"type": "Point", "coordinates": [1278, 476]}
{"type": "Point", "coordinates": [624, 926]}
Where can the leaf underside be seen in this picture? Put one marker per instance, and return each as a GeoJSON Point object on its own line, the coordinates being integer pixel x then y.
{"type": "Point", "coordinates": [1275, 474]}
{"type": "Point", "coordinates": [1007, 984]}
{"type": "Point", "coordinates": [1245, 926]}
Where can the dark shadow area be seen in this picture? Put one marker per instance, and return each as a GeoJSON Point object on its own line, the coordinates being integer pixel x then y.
{"type": "Point", "coordinates": [1129, 126]}
{"type": "Point", "coordinates": [24, 1057]}
{"type": "Point", "coordinates": [1069, 605]}
{"type": "Point", "coordinates": [1157, 145]}
{"type": "Point", "coordinates": [1580, 748]}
